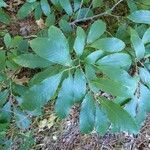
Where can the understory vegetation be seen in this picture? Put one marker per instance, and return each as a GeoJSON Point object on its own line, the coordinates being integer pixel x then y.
{"type": "Point", "coordinates": [55, 55]}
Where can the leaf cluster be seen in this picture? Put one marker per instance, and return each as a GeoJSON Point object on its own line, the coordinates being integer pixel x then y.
{"type": "Point", "coordinates": [76, 66]}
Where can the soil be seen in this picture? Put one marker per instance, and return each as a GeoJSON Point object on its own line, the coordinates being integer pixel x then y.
{"type": "Point", "coordinates": [65, 135]}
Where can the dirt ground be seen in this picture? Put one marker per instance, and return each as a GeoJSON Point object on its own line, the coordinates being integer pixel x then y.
{"type": "Point", "coordinates": [68, 137]}
{"type": "Point", "coordinates": [50, 133]}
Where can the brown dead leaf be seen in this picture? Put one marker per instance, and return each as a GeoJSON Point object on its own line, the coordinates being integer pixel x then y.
{"type": "Point", "coordinates": [21, 81]}
{"type": "Point", "coordinates": [40, 23]}
{"type": "Point", "coordinates": [47, 122]}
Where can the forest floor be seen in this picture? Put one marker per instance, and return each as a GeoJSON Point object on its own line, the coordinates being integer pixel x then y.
{"type": "Point", "coordinates": [50, 133]}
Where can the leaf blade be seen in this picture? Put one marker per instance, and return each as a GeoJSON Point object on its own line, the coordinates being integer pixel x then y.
{"type": "Point", "coordinates": [87, 114]}
{"type": "Point", "coordinates": [55, 48]}
{"type": "Point", "coordinates": [31, 61]}
{"type": "Point", "coordinates": [140, 16]}
{"type": "Point", "coordinates": [96, 30]}
{"type": "Point", "coordinates": [38, 95]}
{"type": "Point", "coordinates": [109, 44]}
{"type": "Point", "coordinates": [119, 60]}
{"type": "Point", "coordinates": [137, 44]}
{"type": "Point", "coordinates": [113, 111]}
{"type": "Point", "coordinates": [146, 36]}
{"type": "Point", "coordinates": [45, 7]}
{"type": "Point", "coordinates": [79, 41]}
{"type": "Point", "coordinates": [79, 85]}
{"type": "Point", "coordinates": [65, 98]}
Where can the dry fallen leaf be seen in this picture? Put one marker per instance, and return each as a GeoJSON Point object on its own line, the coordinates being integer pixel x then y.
{"type": "Point", "coordinates": [21, 81]}
{"type": "Point", "coordinates": [47, 122]}
{"type": "Point", "coordinates": [42, 124]}
{"type": "Point", "coordinates": [51, 121]}
{"type": "Point", "coordinates": [40, 23]}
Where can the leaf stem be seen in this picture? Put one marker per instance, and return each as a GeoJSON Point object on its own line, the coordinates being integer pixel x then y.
{"type": "Point", "coordinates": [98, 15]}
{"type": "Point", "coordinates": [68, 69]}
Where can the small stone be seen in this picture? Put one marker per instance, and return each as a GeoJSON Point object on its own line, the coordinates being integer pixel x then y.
{"type": "Point", "coordinates": [54, 137]}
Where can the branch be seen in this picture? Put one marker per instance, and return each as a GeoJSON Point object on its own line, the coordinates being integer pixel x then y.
{"type": "Point", "coordinates": [98, 15]}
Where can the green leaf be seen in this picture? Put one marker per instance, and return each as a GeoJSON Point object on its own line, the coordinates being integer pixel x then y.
{"type": "Point", "coordinates": [83, 13]}
{"type": "Point", "coordinates": [16, 41]}
{"type": "Point", "coordinates": [97, 3]}
{"type": "Point", "coordinates": [140, 29]}
{"type": "Point", "coordinates": [2, 60]}
{"type": "Point", "coordinates": [143, 105]}
{"type": "Point", "coordinates": [50, 71]}
{"type": "Point", "coordinates": [79, 41]}
{"type": "Point", "coordinates": [50, 20]}
{"type": "Point", "coordinates": [23, 47]}
{"type": "Point", "coordinates": [91, 75]}
{"type": "Point", "coordinates": [22, 121]}
{"type": "Point", "coordinates": [116, 88]}
{"type": "Point", "coordinates": [94, 56]}
{"type": "Point", "coordinates": [121, 100]}
{"type": "Point", "coordinates": [38, 95]}
{"type": "Point", "coordinates": [72, 90]}
{"type": "Point", "coordinates": [55, 48]}
{"type": "Point", "coordinates": [38, 12]}
{"type": "Point", "coordinates": [146, 2]}
{"type": "Point", "coordinates": [122, 32]}
{"type": "Point", "coordinates": [4, 18]}
{"type": "Point", "coordinates": [144, 102]}
{"type": "Point", "coordinates": [118, 116]}
{"type": "Point", "coordinates": [146, 36]}
{"type": "Point", "coordinates": [31, 1]}
{"type": "Point", "coordinates": [26, 9]}
{"type": "Point", "coordinates": [117, 60]}
{"type": "Point", "coordinates": [147, 65]}
{"type": "Point", "coordinates": [66, 6]}
{"type": "Point", "coordinates": [87, 114]}
{"type": "Point", "coordinates": [3, 77]}
{"type": "Point", "coordinates": [140, 118]}
{"type": "Point", "coordinates": [31, 61]}
{"type": "Point", "coordinates": [137, 44]}
{"type": "Point", "coordinates": [7, 40]}
{"type": "Point", "coordinates": [76, 5]}
{"type": "Point", "coordinates": [145, 76]}
{"type": "Point", "coordinates": [2, 4]}
{"type": "Point", "coordinates": [55, 2]}
{"type": "Point", "coordinates": [132, 5]}
{"type": "Point", "coordinates": [122, 77]}
{"type": "Point", "coordinates": [65, 98]}
{"type": "Point", "coordinates": [96, 30]}
{"type": "Point", "coordinates": [109, 44]}
{"type": "Point", "coordinates": [140, 16]}
{"type": "Point", "coordinates": [131, 107]}
{"type": "Point", "coordinates": [86, 1]}
{"type": "Point", "coordinates": [45, 7]}
{"type": "Point", "coordinates": [79, 85]}
{"type": "Point", "coordinates": [101, 121]}
{"type": "Point", "coordinates": [3, 131]}
{"type": "Point", "coordinates": [19, 89]}
{"type": "Point", "coordinates": [5, 113]}
{"type": "Point", "coordinates": [3, 97]}
{"type": "Point", "coordinates": [65, 26]}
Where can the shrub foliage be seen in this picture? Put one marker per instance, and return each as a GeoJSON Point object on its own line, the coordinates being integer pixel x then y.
{"type": "Point", "coordinates": [77, 65]}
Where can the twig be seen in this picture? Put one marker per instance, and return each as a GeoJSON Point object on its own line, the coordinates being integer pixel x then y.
{"type": "Point", "coordinates": [98, 15]}
{"type": "Point", "coordinates": [80, 9]}
{"type": "Point", "coordinates": [30, 36]}
{"type": "Point", "coordinates": [116, 5]}
{"type": "Point", "coordinates": [88, 10]}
